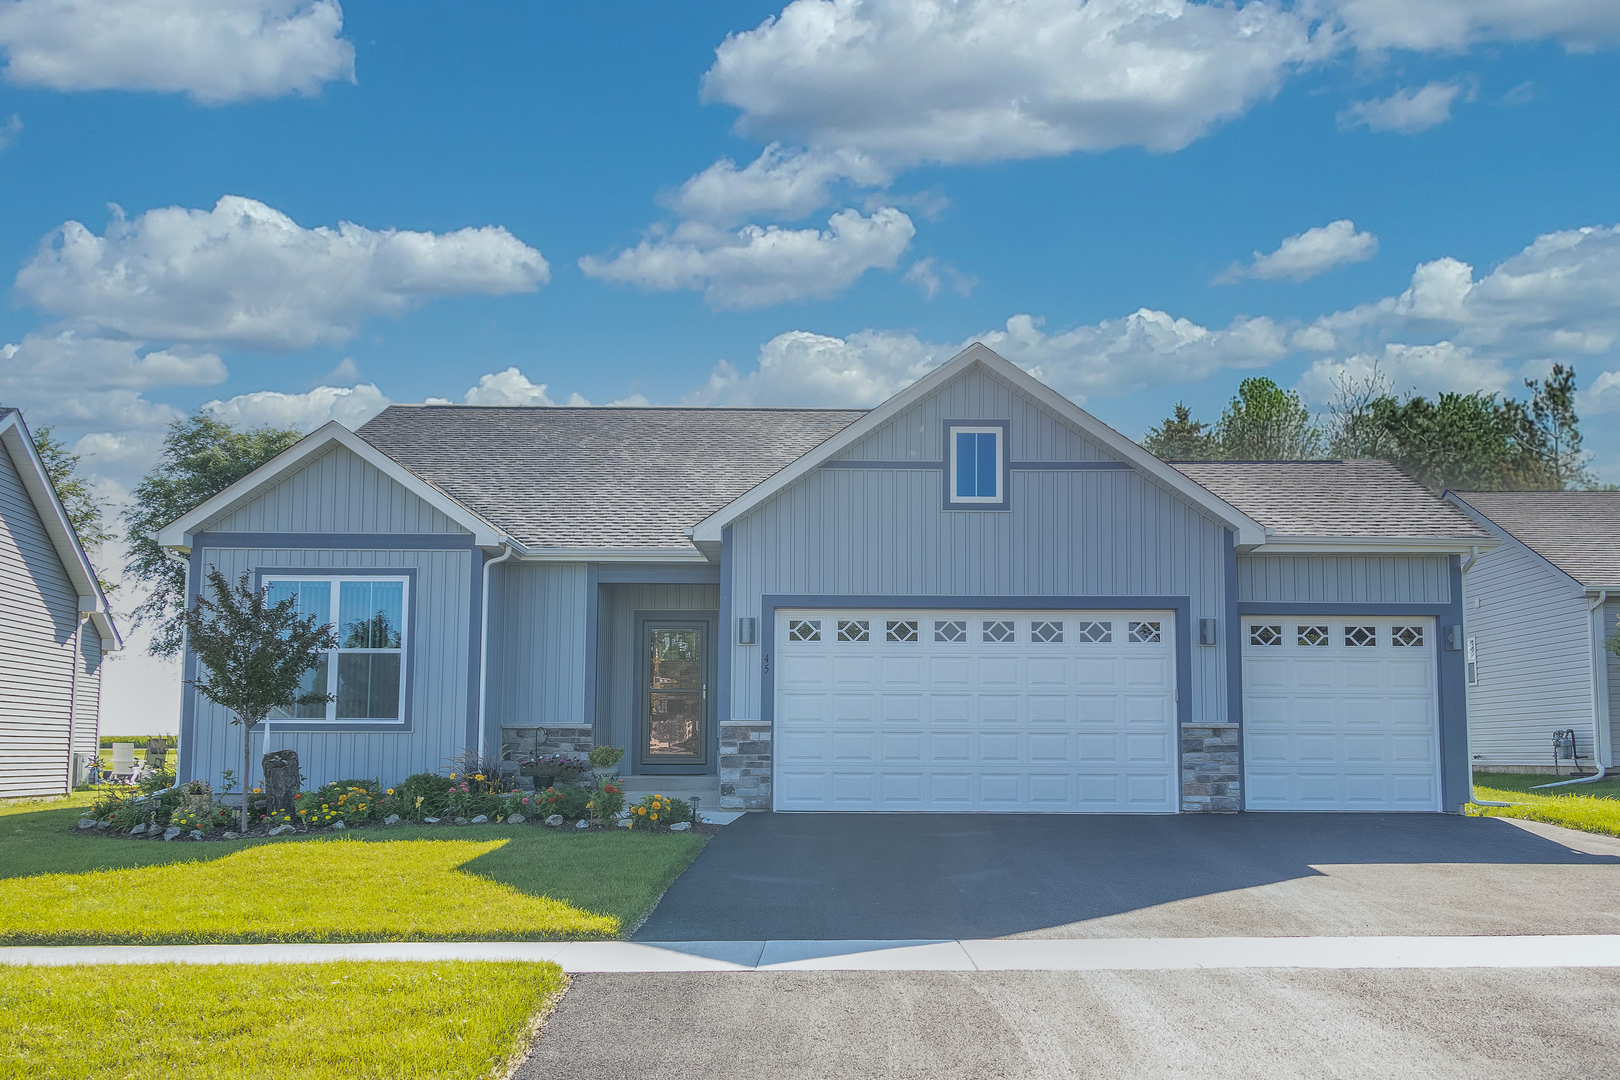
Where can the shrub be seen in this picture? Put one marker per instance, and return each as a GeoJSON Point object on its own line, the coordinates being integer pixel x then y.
{"type": "Point", "coordinates": [605, 757]}
{"type": "Point", "coordinates": [156, 780]}
{"type": "Point", "coordinates": [422, 795]}
{"type": "Point", "coordinates": [571, 802]}
{"type": "Point", "coordinates": [204, 818]}
{"type": "Point", "coordinates": [660, 812]}
{"type": "Point", "coordinates": [607, 799]}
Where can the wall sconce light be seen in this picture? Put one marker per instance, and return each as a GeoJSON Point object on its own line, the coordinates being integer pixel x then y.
{"type": "Point", "coordinates": [1206, 631]}
{"type": "Point", "coordinates": [748, 630]}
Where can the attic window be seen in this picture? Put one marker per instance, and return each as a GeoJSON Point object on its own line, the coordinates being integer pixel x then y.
{"type": "Point", "coordinates": [976, 456]}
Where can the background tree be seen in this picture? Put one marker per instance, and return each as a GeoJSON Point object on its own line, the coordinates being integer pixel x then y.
{"type": "Point", "coordinates": [201, 456]}
{"type": "Point", "coordinates": [1267, 423]}
{"type": "Point", "coordinates": [253, 655]}
{"type": "Point", "coordinates": [1181, 438]}
{"type": "Point", "coordinates": [85, 511]}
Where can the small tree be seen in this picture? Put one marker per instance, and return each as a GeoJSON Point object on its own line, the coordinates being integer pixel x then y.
{"type": "Point", "coordinates": [254, 655]}
{"type": "Point", "coordinates": [1181, 438]}
{"type": "Point", "coordinates": [1264, 422]}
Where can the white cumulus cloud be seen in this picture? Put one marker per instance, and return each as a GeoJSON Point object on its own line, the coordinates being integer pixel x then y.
{"type": "Point", "coordinates": [1405, 112]}
{"type": "Point", "coordinates": [247, 275]}
{"type": "Point", "coordinates": [785, 184]}
{"type": "Point", "coordinates": [1308, 254]}
{"type": "Point", "coordinates": [930, 275]}
{"type": "Point", "coordinates": [983, 80]}
{"type": "Point", "coordinates": [351, 406]}
{"type": "Point", "coordinates": [512, 387]}
{"type": "Point", "coordinates": [1434, 25]}
{"type": "Point", "coordinates": [213, 50]}
{"type": "Point", "coordinates": [760, 265]}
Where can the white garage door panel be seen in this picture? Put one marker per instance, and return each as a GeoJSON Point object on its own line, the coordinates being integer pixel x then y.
{"type": "Point", "coordinates": [1342, 720]}
{"type": "Point", "coordinates": [1085, 723]}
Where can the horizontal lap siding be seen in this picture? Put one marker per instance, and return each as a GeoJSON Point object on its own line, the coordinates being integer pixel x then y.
{"type": "Point", "coordinates": [39, 609]}
{"type": "Point", "coordinates": [1068, 533]}
{"type": "Point", "coordinates": [1611, 625]}
{"type": "Point", "coordinates": [87, 695]}
{"type": "Point", "coordinates": [1532, 631]}
{"type": "Point", "coordinates": [537, 645]}
{"type": "Point", "coordinates": [337, 492]}
{"type": "Point", "coordinates": [1358, 579]}
{"type": "Point", "coordinates": [619, 653]}
{"type": "Point", "coordinates": [438, 674]}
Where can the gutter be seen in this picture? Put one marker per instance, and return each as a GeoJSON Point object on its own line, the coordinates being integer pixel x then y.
{"type": "Point", "coordinates": [483, 645]}
{"type": "Point", "coordinates": [1601, 732]}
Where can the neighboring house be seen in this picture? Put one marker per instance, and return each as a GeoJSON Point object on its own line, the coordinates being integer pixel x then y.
{"type": "Point", "coordinates": [55, 627]}
{"type": "Point", "coordinates": [973, 597]}
{"type": "Point", "coordinates": [1540, 607]}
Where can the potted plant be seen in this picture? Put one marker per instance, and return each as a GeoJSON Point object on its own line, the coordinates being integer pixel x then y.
{"type": "Point", "coordinates": [549, 769]}
{"type": "Point", "coordinates": [605, 759]}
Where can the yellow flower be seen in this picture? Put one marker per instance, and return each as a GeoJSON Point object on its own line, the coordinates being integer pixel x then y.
{"type": "Point", "coordinates": [655, 817]}
{"type": "Point", "coordinates": [390, 791]}
{"type": "Point", "coordinates": [479, 776]}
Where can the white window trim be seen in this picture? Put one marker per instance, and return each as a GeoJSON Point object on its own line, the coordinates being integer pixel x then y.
{"type": "Point", "coordinates": [1001, 464]}
{"type": "Point", "coordinates": [336, 580]}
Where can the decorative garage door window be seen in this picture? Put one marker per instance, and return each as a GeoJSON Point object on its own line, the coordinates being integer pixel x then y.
{"type": "Point", "coordinates": [975, 710]}
{"type": "Point", "coordinates": [1406, 637]}
{"type": "Point", "coordinates": [1046, 631]}
{"type": "Point", "coordinates": [804, 629]}
{"type": "Point", "coordinates": [1312, 637]}
{"type": "Point", "coordinates": [1265, 636]}
{"type": "Point", "coordinates": [365, 674]}
{"type": "Point", "coordinates": [1360, 637]}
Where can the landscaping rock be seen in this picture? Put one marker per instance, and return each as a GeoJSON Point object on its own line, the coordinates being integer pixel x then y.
{"type": "Point", "coordinates": [582, 824]}
{"type": "Point", "coordinates": [430, 821]}
{"type": "Point", "coordinates": [461, 821]}
{"type": "Point", "coordinates": [680, 826]}
{"type": "Point", "coordinates": [103, 824]}
{"type": "Point", "coordinates": [339, 825]}
{"type": "Point", "coordinates": [281, 830]}
{"type": "Point", "coordinates": [87, 823]}
{"type": "Point", "coordinates": [139, 830]}
{"type": "Point", "coordinates": [171, 832]}
{"type": "Point", "coordinates": [195, 834]}
{"type": "Point", "coordinates": [481, 819]}
{"type": "Point", "coordinates": [391, 819]}
{"type": "Point", "coordinates": [280, 780]}
{"type": "Point", "coordinates": [232, 836]}
{"type": "Point", "coordinates": [625, 823]}
{"type": "Point", "coordinates": [554, 820]}
{"type": "Point", "coordinates": [516, 819]}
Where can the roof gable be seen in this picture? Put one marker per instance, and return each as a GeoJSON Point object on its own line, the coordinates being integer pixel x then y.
{"type": "Point", "coordinates": [1576, 531]}
{"type": "Point", "coordinates": [1111, 442]}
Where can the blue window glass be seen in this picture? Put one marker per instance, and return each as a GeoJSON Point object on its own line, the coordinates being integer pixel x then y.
{"type": "Point", "coordinates": [977, 475]}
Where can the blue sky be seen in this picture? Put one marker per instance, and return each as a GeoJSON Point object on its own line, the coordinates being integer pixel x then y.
{"type": "Point", "coordinates": [1105, 192]}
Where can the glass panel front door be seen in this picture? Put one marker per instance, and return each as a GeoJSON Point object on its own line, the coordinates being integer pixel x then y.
{"type": "Point", "coordinates": [677, 696]}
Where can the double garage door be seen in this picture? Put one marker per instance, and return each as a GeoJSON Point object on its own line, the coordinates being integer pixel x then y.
{"type": "Point", "coordinates": [1075, 711]}
{"type": "Point", "coordinates": [888, 710]}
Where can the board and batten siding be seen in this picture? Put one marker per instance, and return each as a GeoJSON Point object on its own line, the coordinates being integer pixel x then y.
{"type": "Point", "coordinates": [1344, 579]}
{"type": "Point", "coordinates": [39, 612]}
{"type": "Point", "coordinates": [1531, 625]}
{"type": "Point", "coordinates": [437, 646]}
{"type": "Point", "coordinates": [337, 492]}
{"type": "Point", "coordinates": [1611, 625]}
{"type": "Point", "coordinates": [885, 532]}
{"type": "Point", "coordinates": [537, 646]}
{"type": "Point", "coordinates": [618, 693]}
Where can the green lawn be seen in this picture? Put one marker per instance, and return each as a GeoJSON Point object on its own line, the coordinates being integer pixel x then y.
{"type": "Point", "coordinates": [409, 883]}
{"type": "Point", "coordinates": [338, 1021]}
{"type": "Point", "coordinates": [1589, 807]}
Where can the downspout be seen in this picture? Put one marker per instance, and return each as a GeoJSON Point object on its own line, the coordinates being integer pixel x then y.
{"type": "Point", "coordinates": [1601, 747]}
{"type": "Point", "coordinates": [1473, 797]}
{"type": "Point", "coordinates": [483, 647]}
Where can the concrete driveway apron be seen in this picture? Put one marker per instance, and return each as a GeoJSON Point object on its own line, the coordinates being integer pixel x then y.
{"type": "Point", "coordinates": [939, 876]}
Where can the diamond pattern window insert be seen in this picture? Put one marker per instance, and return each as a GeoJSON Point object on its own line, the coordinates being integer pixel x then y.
{"type": "Point", "coordinates": [854, 630]}
{"type": "Point", "coordinates": [954, 630]}
{"type": "Point", "coordinates": [1410, 637]}
{"type": "Point", "coordinates": [1047, 633]}
{"type": "Point", "coordinates": [1265, 636]}
{"type": "Point", "coordinates": [804, 629]}
{"type": "Point", "coordinates": [902, 629]}
{"type": "Point", "coordinates": [1000, 630]}
{"type": "Point", "coordinates": [1312, 636]}
{"type": "Point", "coordinates": [1094, 632]}
{"type": "Point", "coordinates": [1360, 636]}
{"type": "Point", "coordinates": [1143, 633]}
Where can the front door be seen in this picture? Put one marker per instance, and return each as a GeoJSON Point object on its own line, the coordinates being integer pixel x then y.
{"type": "Point", "coordinates": [675, 693]}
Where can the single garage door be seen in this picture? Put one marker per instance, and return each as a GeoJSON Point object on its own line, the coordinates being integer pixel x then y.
{"type": "Point", "coordinates": [1068, 711]}
{"type": "Point", "coordinates": [1340, 714]}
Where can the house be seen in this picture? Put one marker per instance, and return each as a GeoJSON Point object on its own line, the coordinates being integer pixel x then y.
{"type": "Point", "coordinates": [57, 628]}
{"type": "Point", "coordinates": [976, 596]}
{"type": "Point", "coordinates": [1540, 606]}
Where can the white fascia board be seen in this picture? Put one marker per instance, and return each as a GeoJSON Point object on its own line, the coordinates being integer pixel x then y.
{"type": "Point", "coordinates": [1370, 545]}
{"type": "Point", "coordinates": [178, 533]}
{"type": "Point", "coordinates": [1247, 529]}
{"type": "Point", "coordinates": [612, 555]}
{"type": "Point", "coordinates": [19, 444]}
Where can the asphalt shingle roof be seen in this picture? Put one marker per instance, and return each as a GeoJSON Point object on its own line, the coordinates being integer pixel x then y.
{"type": "Point", "coordinates": [597, 477]}
{"type": "Point", "coordinates": [1576, 531]}
{"type": "Point", "coordinates": [1363, 498]}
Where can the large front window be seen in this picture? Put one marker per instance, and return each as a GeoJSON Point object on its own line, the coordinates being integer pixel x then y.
{"type": "Point", "coordinates": [365, 674]}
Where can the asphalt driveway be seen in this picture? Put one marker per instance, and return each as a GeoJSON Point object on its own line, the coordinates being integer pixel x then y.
{"type": "Point", "coordinates": [922, 876]}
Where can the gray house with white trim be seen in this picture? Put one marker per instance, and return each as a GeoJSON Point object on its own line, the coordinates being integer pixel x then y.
{"type": "Point", "coordinates": [55, 628]}
{"type": "Point", "coordinates": [974, 597]}
{"type": "Point", "coordinates": [1541, 604]}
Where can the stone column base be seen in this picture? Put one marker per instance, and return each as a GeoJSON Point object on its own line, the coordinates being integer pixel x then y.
{"type": "Point", "coordinates": [745, 765]}
{"type": "Point", "coordinates": [1211, 769]}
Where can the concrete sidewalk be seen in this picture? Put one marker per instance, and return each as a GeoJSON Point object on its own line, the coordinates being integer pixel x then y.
{"type": "Point", "coordinates": [1095, 954]}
